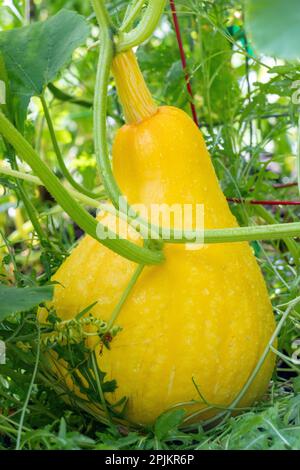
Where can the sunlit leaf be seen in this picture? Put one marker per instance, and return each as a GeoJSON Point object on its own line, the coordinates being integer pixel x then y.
{"type": "Point", "coordinates": [34, 55]}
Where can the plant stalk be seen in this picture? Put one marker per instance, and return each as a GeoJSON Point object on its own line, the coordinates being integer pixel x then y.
{"type": "Point", "coordinates": [58, 153]}
{"type": "Point", "coordinates": [88, 223]}
{"type": "Point", "coordinates": [271, 231]}
{"type": "Point", "coordinates": [144, 29]}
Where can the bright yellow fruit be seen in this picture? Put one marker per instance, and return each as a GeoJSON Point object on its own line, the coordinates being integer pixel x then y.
{"type": "Point", "coordinates": [203, 314]}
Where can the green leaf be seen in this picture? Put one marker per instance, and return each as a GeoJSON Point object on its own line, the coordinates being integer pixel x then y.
{"type": "Point", "coordinates": [167, 422]}
{"type": "Point", "coordinates": [296, 384]}
{"type": "Point", "coordinates": [35, 54]}
{"type": "Point", "coordinates": [62, 428]}
{"type": "Point", "coordinates": [14, 299]}
{"type": "Point", "coordinates": [274, 27]}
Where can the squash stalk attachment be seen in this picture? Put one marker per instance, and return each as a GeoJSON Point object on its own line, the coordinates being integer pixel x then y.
{"type": "Point", "coordinates": [133, 92]}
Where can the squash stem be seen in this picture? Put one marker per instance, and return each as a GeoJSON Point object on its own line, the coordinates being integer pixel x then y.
{"type": "Point", "coordinates": [125, 295]}
{"type": "Point", "coordinates": [144, 29]}
{"type": "Point", "coordinates": [133, 92]}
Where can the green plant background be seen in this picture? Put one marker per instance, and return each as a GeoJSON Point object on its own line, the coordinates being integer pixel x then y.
{"type": "Point", "coordinates": [244, 106]}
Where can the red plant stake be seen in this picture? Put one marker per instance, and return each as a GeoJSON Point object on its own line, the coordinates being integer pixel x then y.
{"type": "Point", "coordinates": [183, 60]}
{"type": "Point", "coordinates": [264, 203]}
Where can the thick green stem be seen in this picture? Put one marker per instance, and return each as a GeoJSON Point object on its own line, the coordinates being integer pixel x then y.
{"type": "Point", "coordinates": [131, 14]}
{"type": "Point", "coordinates": [59, 156]}
{"type": "Point", "coordinates": [100, 109]}
{"type": "Point", "coordinates": [238, 234]}
{"type": "Point", "coordinates": [100, 102]}
{"type": "Point", "coordinates": [144, 29]}
{"type": "Point", "coordinates": [90, 202]}
{"type": "Point", "coordinates": [90, 225]}
{"type": "Point", "coordinates": [5, 170]}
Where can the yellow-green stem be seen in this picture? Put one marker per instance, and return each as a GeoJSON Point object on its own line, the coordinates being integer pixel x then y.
{"type": "Point", "coordinates": [133, 92]}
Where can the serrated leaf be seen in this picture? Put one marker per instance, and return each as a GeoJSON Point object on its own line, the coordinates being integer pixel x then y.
{"type": "Point", "coordinates": [274, 27]}
{"type": "Point", "coordinates": [34, 55]}
{"type": "Point", "coordinates": [167, 422]}
{"type": "Point", "coordinates": [14, 299]}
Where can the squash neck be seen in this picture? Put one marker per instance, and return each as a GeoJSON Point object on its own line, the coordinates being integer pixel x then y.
{"type": "Point", "coordinates": [133, 92]}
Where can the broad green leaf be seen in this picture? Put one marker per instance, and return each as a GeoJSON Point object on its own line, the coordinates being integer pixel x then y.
{"type": "Point", "coordinates": [14, 299]}
{"type": "Point", "coordinates": [274, 27]}
{"type": "Point", "coordinates": [167, 422]}
{"type": "Point", "coordinates": [34, 55]}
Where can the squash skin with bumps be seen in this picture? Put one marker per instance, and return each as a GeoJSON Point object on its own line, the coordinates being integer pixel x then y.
{"type": "Point", "coordinates": [202, 315]}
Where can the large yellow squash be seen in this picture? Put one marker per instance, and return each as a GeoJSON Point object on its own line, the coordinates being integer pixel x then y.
{"type": "Point", "coordinates": [202, 316]}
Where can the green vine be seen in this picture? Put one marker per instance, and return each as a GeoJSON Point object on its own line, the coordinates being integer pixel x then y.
{"type": "Point", "coordinates": [88, 223]}
{"type": "Point", "coordinates": [271, 231]}
{"type": "Point", "coordinates": [59, 156]}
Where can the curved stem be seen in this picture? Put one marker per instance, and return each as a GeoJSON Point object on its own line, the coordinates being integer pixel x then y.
{"type": "Point", "coordinates": [90, 202]}
{"type": "Point", "coordinates": [22, 175]}
{"type": "Point", "coordinates": [131, 14]}
{"type": "Point", "coordinates": [145, 27]}
{"type": "Point", "coordinates": [90, 225]}
{"type": "Point", "coordinates": [236, 234]}
{"type": "Point", "coordinates": [59, 156]}
{"type": "Point", "coordinates": [100, 107]}
{"type": "Point", "coordinates": [100, 102]}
